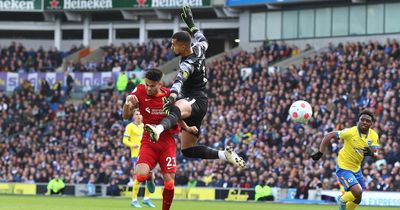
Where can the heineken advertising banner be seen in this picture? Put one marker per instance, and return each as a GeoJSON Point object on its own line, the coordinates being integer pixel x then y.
{"type": "Point", "coordinates": [83, 81]}
{"type": "Point", "coordinates": [21, 5]}
{"type": "Point", "coordinates": [119, 4]}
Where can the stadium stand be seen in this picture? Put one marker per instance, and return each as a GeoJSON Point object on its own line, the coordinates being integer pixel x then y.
{"type": "Point", "coordinates": [16, 58]}
{"type": "Point", "coordinates": [251, 115]}
{"type": "Point", "coordinates": [139, 56]}
{"type": "Point", "coordinates": [126, 57]}
{"type": "Point", "coordinates": [248, 112]}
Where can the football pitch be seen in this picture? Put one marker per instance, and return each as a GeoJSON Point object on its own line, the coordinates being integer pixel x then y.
{"type": "Point", "coordinates": [8, 202]}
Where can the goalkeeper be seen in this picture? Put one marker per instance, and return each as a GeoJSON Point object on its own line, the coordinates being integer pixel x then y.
{"type": "Point", "coordinates": [188, 100]}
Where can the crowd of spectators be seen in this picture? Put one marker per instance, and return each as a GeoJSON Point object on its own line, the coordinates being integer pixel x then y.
{"type": "Point", "coordinates": [16, 58]}
{"type": "Point", "coordinates": [128, 57]}
{"type": "Point", "coordinates": [248, 113]}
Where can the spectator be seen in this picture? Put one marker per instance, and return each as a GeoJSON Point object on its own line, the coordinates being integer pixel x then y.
{"type": "Point", "coordinates": [56, 186]}
{"type": "Point", "coordinates": [122, 82]}
{"type": "Point", "coordinates": [45, 88]}
{"type": "Point", "coordinates": [302, 190]}
{"type": "Point", "coordinates": [70, 84]}
{"type": "Point", "coordinates": [91, 188]}
{"type": "Point", "coordinates": [192, 182]}
{"type": "Point", "coordinates": [216, 182]}
{"type": "Point", "coordinates": [263, 192]}
{"type": "Point", "coordinates": [113, 189]}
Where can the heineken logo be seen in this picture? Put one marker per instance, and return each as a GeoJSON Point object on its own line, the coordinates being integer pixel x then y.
{"type": "Point", "coordinates": [17, 5]}
{"type": "Point", "coordinates": [141, 3]}
{"type": "Point", "coordinates": [88, 4]}
{"type": "Point", "coordinates": [176, 3]}
{"type": "Point", "coordinates": [111, 4]}
{"type": "Point", "coordinates": [54, 4]}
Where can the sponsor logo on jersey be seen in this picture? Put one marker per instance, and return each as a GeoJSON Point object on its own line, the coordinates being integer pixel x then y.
{"type": "Point", "coordinates": [369, 142]}
{"type": "Point", "coordinates": [154, 111]}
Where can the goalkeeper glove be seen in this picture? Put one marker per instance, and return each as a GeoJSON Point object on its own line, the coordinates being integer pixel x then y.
{"type": "Point", "coordinates": [168, 103]}
{"type": "Point", "coordinates": [317, 156]}
{"type": "Point", "coordinates": [187, 17]}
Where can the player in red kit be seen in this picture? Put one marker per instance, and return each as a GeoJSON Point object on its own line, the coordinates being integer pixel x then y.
{"type": "Point", "coordinates": [149, 98]}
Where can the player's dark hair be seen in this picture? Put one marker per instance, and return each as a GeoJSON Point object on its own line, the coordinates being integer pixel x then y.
{"type": "Point", "coordinates": [367, 112]}
{"type": "Point", "coordinates": [182, 36]}
{"type": "Point", "coordinates": [154, 74]}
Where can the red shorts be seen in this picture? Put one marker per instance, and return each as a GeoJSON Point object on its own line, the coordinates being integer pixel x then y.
{"type": "Point", "coordinates": [163, 152]}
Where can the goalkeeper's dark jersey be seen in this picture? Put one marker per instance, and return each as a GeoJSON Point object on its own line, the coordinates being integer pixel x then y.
{"type": "Point", "coordinates": [191, 79]}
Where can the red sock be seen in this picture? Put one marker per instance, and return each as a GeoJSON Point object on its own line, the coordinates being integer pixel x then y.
{"type": "Point", "coordinates": [168, 196]}
{"type": "Point", "coordinates": [149, 176]}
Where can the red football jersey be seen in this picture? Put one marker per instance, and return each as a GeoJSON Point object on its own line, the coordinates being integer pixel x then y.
{"type": "Point", "coordinates": [150, 108]}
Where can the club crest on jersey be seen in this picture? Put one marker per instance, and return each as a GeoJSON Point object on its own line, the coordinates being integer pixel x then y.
{"type": "Point", "coordinates": [185, 74]}
{"type": "Point", "coordinates": [154, 111]}
{"type": "Point", "coordinates": [369, 142]}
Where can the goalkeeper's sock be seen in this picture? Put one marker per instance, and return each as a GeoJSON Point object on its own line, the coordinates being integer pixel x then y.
{"type": "Point", "coordinates": [221, 155]}
{"type": "Point", "coordinates": [201, 151]}
{"type": "Point", "coordinates": [170, 120]}
{"type": "Point", "coordinates": [351, 205]}
{"type": "Point", "coordinates": [348, 196]}
{"type": "Point", "coordinates": [160, 128]}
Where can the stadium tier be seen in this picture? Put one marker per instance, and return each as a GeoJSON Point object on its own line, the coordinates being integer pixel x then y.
{"type": "Point", "coordinates": [249, 114]}
{"type": "Point", "coordinates": [73, 72]}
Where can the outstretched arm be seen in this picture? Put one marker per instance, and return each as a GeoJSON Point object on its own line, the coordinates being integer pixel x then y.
{"type": "Point", "coordinates": [324, 144]}
{"type": "Point", "coordinates": [200, 39]}
{"type": "Point", "coordinates": [187, 17]}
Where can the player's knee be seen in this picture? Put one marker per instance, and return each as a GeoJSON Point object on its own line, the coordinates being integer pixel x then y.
{"type": "Point", "coordinates": [169, 185]}
{"type": "Point", "coordinates": [185, 108]}
{"type": "Point", "coordinates": [141, 177]}
{"type": "Point", "coordinates": [357, 194]}
{"type": "Point", "coordinates": [358, 199]}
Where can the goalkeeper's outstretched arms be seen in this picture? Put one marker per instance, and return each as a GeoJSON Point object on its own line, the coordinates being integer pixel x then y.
{"type": "Point", "coordinates": [187, 17]}
{"type": "Point", "coordinates": [324, 144]}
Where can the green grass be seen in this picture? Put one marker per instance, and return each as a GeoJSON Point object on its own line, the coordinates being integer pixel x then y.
{"type": "Point", "coordinates": [8, 202]}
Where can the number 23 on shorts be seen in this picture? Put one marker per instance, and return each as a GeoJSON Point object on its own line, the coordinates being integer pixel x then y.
{"type": "Point", "coordinates": [171, 162]}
